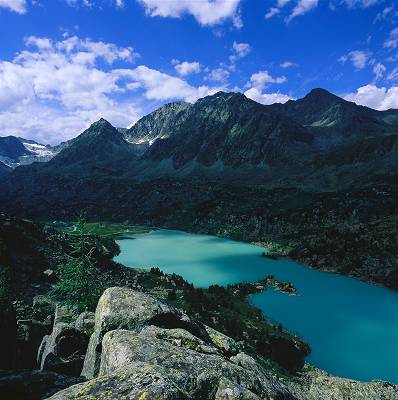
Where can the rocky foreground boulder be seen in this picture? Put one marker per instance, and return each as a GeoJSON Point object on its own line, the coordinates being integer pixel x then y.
{"type": "Point", "coordinates": [142, 348]}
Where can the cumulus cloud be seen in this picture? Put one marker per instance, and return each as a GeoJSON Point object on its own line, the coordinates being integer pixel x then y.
{"type": "Point", "coordinates": [185, 68]}
{"type": "Point", "coordinates": [206, 12]}
{"type": "Point", "coordinates": [379, 98]}
{"type": "Point", "coordinates": [266, 98]}
{"type": "Point", "coordinates": [261, 79]}
{"type": "Point", "coordinates": [240, 50]}
{"type": "Point", "coordinates": [218, 75]}
{"type": "Point", "coordinates": [52, 90]}
{"type": "Point", "coordinates": [18, 6]}
{"type": "Point", "coordinates": [258, 82]}
{"type": "Point", "coordinates": [359, 59]}
{"type": "Point", "coordinates": [160, 86]}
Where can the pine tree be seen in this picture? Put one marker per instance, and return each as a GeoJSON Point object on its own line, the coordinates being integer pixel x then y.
{"type": "Point", "coordinates": [78, 285]}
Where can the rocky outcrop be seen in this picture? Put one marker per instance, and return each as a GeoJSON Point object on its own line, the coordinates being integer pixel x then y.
{"type": "Point", "coordinates": [33, 385]}
{"type": "Point", "coordinates": [315, 384]}
{"type": "Point", "coordinates": [122, 308]}
{"type": "Point", "coordinates": [143, 349]}
{"type": "Point", "coordinates": [63, 351]}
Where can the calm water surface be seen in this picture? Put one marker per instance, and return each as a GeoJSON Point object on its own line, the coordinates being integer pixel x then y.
{"type": "Point", "coordinates": [351, 326]}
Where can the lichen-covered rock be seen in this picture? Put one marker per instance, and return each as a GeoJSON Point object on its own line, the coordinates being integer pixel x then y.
{"type": "Point", "coordinates": [315, 384]}
{"type": "Point", "coordinates": [223, 342]}
{"type": "Point", "coordinates": [64, 350]}
{"type": "Point", "coordinates": [183, 366]}
{"type": "Point", "coordinates": [228, 390]}
{"type": "Point", "coordinates": [85, 322]}
{"type": "Point", "coordinates": [123, 308]}
{"type": "Point", "coordinates": [142, 382]}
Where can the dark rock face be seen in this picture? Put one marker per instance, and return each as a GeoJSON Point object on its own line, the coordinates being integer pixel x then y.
{"type": "Point", "coordinates": [33, 385]}
{"type": "Point", "coordinates": [63, 351]}
{"type": "Point", "coordinates": [12, 148]}
{"type": "Point", "coordinates": [159, 124]}
{"type": "Point", "coordinates": [8, 335]}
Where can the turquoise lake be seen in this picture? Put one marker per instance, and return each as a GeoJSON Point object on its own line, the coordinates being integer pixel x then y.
{"type": "Point", "coordinates": [351, 326]}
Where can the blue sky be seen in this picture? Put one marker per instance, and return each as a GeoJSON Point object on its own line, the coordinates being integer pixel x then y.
{"type": "Point", "coordinates": [66, 63]}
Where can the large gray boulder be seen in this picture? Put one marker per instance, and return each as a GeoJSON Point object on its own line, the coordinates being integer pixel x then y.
{"type": "Point", "coordinates": [63, 351]}
{"type": "Point", "coordinates": [142, 382]}
{"type": "Point", "coordinates": [142, 348]}
{"type": "Point", "coordinates": [185, 364]}
{"type": "Point", "coordinates": [123, 308]}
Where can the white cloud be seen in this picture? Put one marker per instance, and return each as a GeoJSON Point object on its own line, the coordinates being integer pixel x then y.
{"type": "Point", "coordinates": [240, 50]}
{"type": "Point", "coordinates": [218, 75]}
{"type": "Point", "coordinates": [392, 41]}
{"type": "Point", "coordinates": [18, 6]}
{"type": "Point", "coordinates": [258, 82]}
{"type": "Point", "coordinates": [160, 86]}
{"type": "Point", "coordinates": [266, 98]}
{"type": "Point", "coordinates": [360, 3]}
{"type": "Point", "coordinates": [261, 79]}
{"type": "Point", "coordinates": [375, 97]}
{"type": "Point", "coordinates": [359, 59]}
{"type": "Point", "coordinates": [393, 75]}
{"type": "Point", "coordinates": [378, 70]}
{"type": "Point", "coordinates": [288, 64]}
{"type": "Point", "coordinates": [206, 12]}
{"type": "Point", "coordinates": [301, 8]}
{"type": "Point", "coordinates": [272, 12]}
{"type": "Point", "coordinates": [185, 68]}
{"type": "Point", "coordinates": [51, 91]}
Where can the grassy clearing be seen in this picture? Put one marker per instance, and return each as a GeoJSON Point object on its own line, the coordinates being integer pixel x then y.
{"type": "Point", "coordinates": [103, 229]}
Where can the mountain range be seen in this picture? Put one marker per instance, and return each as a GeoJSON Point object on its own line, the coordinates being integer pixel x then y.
{"type": "Point", "coordinates": [228, 165]}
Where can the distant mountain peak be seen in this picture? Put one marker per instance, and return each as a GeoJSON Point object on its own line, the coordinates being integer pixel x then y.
{"type": "Point", "coordinates": [322, 94]}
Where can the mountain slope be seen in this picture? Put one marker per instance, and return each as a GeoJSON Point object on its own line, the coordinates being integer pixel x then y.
{"type": "Point", "coordinates": [100, 146]}
{"type": "Point", "coordinates": [15, 151]}
{"type": "Point", "coordinates": [161, 123]}
{"type": "Point", "coordinates": [4, 169]}
{"type": "Point", "coordinates": [231, 130]}
{"type": "Point", "coordinates": [335, 121]}
{"type": "Point", "coordinates": [11, 148]}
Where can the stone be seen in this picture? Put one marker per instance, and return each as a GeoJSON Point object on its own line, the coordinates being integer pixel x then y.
{"type": "Point", "coordinates": [315, 384]}
{"type": "Point", "coordinates": [142, 383]}
{"type": "Point", "coordinates": [33, 384]}
{"type": "Point", "coordinates": [123, 308]}
{"type": "Point", "coordinates": [183, 366]}
{"type": "Point", "coordinates": [64, 350]}
{"type": "Point", "coordinates": [85, 322]}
